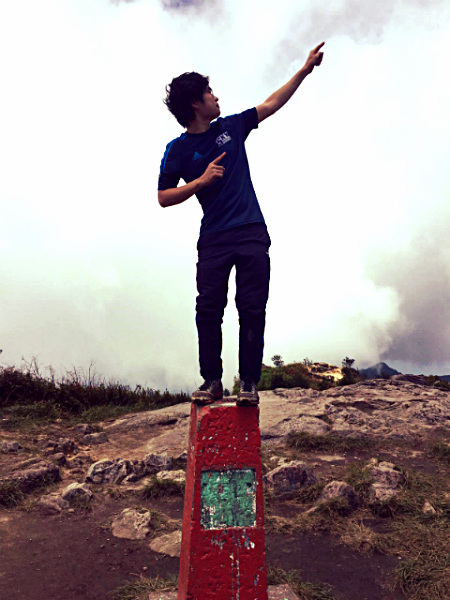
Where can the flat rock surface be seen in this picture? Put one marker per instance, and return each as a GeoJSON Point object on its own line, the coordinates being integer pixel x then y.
{"type": "Point", "coordinates": [376, 408]}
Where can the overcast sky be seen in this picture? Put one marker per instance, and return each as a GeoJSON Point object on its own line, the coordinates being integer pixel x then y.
{"type": "Point", "coordinates": [352, 176]}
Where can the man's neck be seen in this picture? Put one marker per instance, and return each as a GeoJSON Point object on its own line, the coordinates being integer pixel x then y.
{"type": "Point", "coordinates": [199, 125]}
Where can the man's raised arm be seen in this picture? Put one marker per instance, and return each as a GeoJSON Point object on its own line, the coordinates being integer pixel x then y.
{"type": "Point", "coordinates": [281, 96]}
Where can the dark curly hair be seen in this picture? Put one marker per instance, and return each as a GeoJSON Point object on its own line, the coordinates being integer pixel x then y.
{"type": "Point", "coordinates": [181, 92]}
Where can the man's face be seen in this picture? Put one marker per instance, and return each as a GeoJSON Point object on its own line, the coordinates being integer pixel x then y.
{"type": "Point", "coordinates": [209, 107]}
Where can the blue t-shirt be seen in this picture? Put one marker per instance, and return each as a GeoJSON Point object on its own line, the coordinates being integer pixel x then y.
{"type": "Point", "coordinates": [230, 201]}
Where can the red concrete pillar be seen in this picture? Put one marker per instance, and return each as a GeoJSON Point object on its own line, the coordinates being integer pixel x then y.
{"type": "Point", "coordinates": [223, 554]}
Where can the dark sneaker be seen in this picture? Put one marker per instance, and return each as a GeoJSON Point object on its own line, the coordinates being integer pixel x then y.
{"type": "Point", "coordinates": [248, 394]}
{"type": "Point", "coordinates": [208, 392]}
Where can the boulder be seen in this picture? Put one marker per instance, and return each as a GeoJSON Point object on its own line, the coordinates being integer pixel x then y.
{"type": "Point", "coordinates": [153, 463]}
{"type": "Point", "coordinates": [83, 428]}
{"type": "Point", "coordinates": [38, 474]}
{"type": "Point", "coordinates": [76, 492]}
{"type": "Point", "coordinates": [428, 508]}
{"type": "Point", "coordinates": [53, 503]}
{"type": "Point", "coordinates": [339, 489]}
{"type": "Point", "coordinates": [178, 476]}
{"type": "Point", "coordinates": [29, 462]}
{"type": "Point", "coordinates": [132, 524]}
{"type": "Point", "coordinates": [282, 592]}
{"type": "Point", "coordinates": [96, 438]}
{"type": "Point", "coordinates": [59, 459]}
{"type": "Point", "coordinates": [11, 447]}
{"type": "Point", "coordinates": [109, 471]}
{"type": "Point", "coordinates": [290, 477]}
{"type": "Point", "coordinates": [181, 459]}
{"type": "Point", "coordinates": [67, 446]}
{"type": "Point", "coordinates": [386, 482]}
{"type": "Point", "coordinates": [169, 544]}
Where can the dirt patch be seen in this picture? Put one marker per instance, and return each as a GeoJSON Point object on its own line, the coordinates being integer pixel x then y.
{"type": "Point", "coordinates": [74, 555]}
{"type": "Point", "coordinates": [319, 559]}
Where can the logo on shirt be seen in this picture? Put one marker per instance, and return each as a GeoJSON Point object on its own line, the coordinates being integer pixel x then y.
{"type": "Point", "coordinates": [197, 155]}
{"type": "Point", "coordinates": [223, 138]}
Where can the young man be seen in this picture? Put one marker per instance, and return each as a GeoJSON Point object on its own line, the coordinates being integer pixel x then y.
{"type": "Point", "coordinates": [210, 157]}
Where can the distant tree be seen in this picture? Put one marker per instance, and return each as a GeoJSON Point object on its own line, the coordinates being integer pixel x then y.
{"type": "Point", "coordinates": [347, 362]}
{"type": "Point", "coordinates": [226, 392]}
{"type": "Point", "coordinates": [277, 360]}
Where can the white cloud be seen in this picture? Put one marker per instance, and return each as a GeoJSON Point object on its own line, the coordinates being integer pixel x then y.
{"type": "Point", "coordinates": [351, 174]}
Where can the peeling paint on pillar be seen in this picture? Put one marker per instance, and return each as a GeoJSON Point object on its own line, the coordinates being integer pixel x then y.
{"type": "Point", "coordinates": [228, 499]}
{"type": "Point", "coordinates": [223, 543]}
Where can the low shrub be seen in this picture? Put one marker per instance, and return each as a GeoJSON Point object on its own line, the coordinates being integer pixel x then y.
{"type": "Point", "coordinates": [293, 375]}
{"type": "Point", "coordinates": [10, 494]}
{"type": "Point", "coordinates": [26, 395]}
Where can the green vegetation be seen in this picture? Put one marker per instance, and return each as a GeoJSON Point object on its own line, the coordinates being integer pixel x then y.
{"type": "Point", "coordinates": [305, 442]}
{"type": "Point", "coordinates": [436, 381]}
{"type": "Point", "coordinates": [359, 477]}
{"type": "Point", "coordinates": [11, 494]}
{"type": "Point", "coordinates": [441, 450]}
{"type": "Point", "coordinates": [27, 396]}
{"type": "Point", "coordinates": [293, 375]}
{"type": "Point", "coordinates": [160, 488]}
{"type": "Point", "coordinates": [137, 589]}
{"type": "Point", "coordinates": [305, 590]}
{"type": "Point", "coordinates": [350, 376]}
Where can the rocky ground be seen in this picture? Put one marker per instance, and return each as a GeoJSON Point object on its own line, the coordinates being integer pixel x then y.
{"type": "Point", "coordinates": [356, 482]}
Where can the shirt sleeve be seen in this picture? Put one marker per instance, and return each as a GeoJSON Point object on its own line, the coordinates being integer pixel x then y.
{"type": "Point", "coordinates": [250, 118]}
{"type": "Point", "coordinates": [169, 173]}
{"type": "Point", "coordinates": [245, 121]}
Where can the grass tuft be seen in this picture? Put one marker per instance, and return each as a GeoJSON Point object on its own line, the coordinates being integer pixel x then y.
{"type": "Point", "coordinates": [10, 494]}
{"type": "Point", "coordinates": [360, 478]}
{"type": "Point", "coordinates": [136, 589]}
{"type": "Point", "coordinates": [424, 571]}
{"type": "Point", "coordinates": [334, 506]}
{"type": "Point", "coordinates": [305, 590]}
{"type": "Point", "coordinates": [160, 488]}
{"type": "Point", "coordinates": [359, 537]}
{"type": "Point", "coordinates": [441, 451]}
{"type": "Point", "coordinates": [305, 441]}
{"type": "Point", "coordinates": [310, 493]}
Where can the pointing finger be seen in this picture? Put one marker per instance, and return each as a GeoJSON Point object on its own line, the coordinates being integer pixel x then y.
{"type": "Point", "coordinates": [317, 48]}
{"type": "Point", "coordinates": [219, 158]}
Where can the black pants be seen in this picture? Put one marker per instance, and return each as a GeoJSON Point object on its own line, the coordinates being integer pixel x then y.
{"type": "Point", "coordinates": [246, 248]}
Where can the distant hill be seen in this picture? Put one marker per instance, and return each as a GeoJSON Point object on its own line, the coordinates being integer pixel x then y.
{"type": "Point", "coordinates": [379, 371]}
{"type": "Point", "coordinates": [382, 369]}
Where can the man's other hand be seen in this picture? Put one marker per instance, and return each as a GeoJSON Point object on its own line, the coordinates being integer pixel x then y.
{"type": "Point", "coordinates": [213, 171]}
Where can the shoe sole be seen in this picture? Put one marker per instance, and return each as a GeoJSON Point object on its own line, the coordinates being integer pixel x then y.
{"type": "Point", "coordinates": [204, 401]}
{"type": "Point", "coordinates": [247, 402]}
